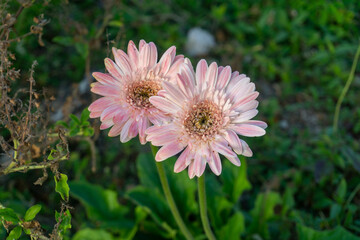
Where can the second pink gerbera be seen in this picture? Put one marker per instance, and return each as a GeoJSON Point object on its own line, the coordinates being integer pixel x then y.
{"type": "Point", "coordinates": [209, 110]}
{"type": "Point", "coordinates": [132, 79]}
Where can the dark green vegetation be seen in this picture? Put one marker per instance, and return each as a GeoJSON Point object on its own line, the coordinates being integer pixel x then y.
{"type": "Point", "coordinates": [303, 181]}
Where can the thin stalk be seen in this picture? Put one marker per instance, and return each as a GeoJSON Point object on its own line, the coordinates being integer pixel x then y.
{"type": "Point", "coordinates": [14, 161]}
{"type": "Point", "coordinates": [345, 90]}
{"type": "Point", "coordinates": [170, 198]}
{"type": "Point", "coordinates": [11, 168]}
{"type": "Point", "coordinates": [203, 208]}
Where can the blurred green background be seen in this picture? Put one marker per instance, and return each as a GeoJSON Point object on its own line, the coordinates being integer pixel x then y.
{"type": "Point", "coordinates": [303, 181]}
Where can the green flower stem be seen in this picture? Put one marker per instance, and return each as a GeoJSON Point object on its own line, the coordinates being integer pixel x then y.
{"type": "Point", "coordinates": [169, 197]}
{"type": "Point", "coordinates": [203, 208]}
{"type": "Point", "coordinates": [345, 89]}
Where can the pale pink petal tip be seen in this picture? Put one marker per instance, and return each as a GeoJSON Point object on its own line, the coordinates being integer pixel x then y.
{"type": "Point", "coordinates": [168, 150]}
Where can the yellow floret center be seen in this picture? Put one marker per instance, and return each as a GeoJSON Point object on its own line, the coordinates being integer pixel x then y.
{"type": "Point", "coordinates": [138, 93]}
{"type": "Point", "coordinates": [203, 120]}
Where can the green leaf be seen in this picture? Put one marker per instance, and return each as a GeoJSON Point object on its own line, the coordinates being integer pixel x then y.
{"type": "Point", "coordinates": [182, 188]}
{"type": "Point", "coordinates": [92, 234]}
{"type": "Point", "coordinates": [62, 123]}
{"type": "Point", "coordinates": [288, 200]}
{"type": "Point", "coordinates": [9, 215]}
{"type": "Point", "coordinates": [140, 214]}
{"type": "Point", "coordinates": [116, 23]}
{"type": "Point", "coordinates": [263, 211]}
{"type": "Point", "coordinates": [234, 227]}
{"type": "Point", "coordinates": [154, 204]}
{"type": "Point", "coordinates": [66, 41]}
{"type": "Point", "coordinates": [31, 212]}
{"type": "Point", "coordinates": [84, 116]}
{"type": "Point", "coordinates": [64, 220]}
{"type": "Point", "coordinates": [101, 205]}
{"type": "Point", "coordinates": [74, 131]}
{"type": "Point", "coordinates": [51, 154]}
{"type": "Point", "coordinates": [15, 233]}
{"type": "Point", "coordinates": [75, 119]}
{"type": "Point", "coordinates": [88, 132]}
{"type": "Point", "coordinates": [338, 233]}
{"type": "Point", "coordinates": [82, 49]}
{"type": "Point", "coordinates": [62, 187]}
{"type": "Point", "coordinates": [235, 180]}
{"type": "Point", "coordinates": [341, 191]}
{"type": "Point", "coordinates": [147, 172]}
{"type": "Point", "coordinates": [335, 210]}
{"type": "Point", "coordinates": [152, 200]}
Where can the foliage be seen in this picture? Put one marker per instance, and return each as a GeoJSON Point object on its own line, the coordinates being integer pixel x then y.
{"type": "Point", "coordinates": [302, 183]}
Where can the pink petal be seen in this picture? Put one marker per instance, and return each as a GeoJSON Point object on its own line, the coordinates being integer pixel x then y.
{"type": "Point", "coordinates": [180, 163]}
{"type": "Point", "coordinates": [168, 150]}
{"type": "Point", "coordinates": [143, 124]}
{"type": "Point", "coordinates": [238, 89]}
{"type": "Point", "coordinates": [145, 56]}
{"type": "Point", "coordinates": [113, 69]}
{"type": "Point", "coordinates": [164, 104]}
{"type": "Point", "coordinates": [188, 73]}
{"type": "Point", "coordinates": [245, 116]}
{"type": "Point", "coordinates": [235, 74]}
{"type": "Point", "coordinates": [133, 130]}
{"type": "Point", "coordinates": [234, 141]}
{"type": "Point", "coordinates": [171, 52]}
{"type": "Point", "coordinates": [186, 82]}
{"type": "Point", "coordinates": [95, 114]}
{"type": "Point", "coordinates": [222, 148]}
{"type": "Point", "coordinates": [201, 69]}
{"type": "Point", "coordinates": [156, 130]}
{"type": "Point", "coordinates": [246, 149]}
{"type": "Point", "coordinates": [121, 117]}
{"type": "Point", "coordinates": [133, 54]}
{"type": "Point", "coordinates": [215, 163]}
{"type": "Point", "coordinates": [165, 64]}
{"type": "Point", "coordinates": [257, 123]}
{"type": "Point", "coordinates": [105, 90]}
{"type": "Point", "coordinates": [211, 75]}
{"type": "Point", "coordinates": [110, 112]}
{"type": "Point", "coordinates": [199, 165]}
{"type": "Point", "coordinates": [104, 78]}
{"type": "Point", "coordinates": [122, 60]}
{"type": "Point", "coordinates": [153, 55]}
{"type": "Point", "coordinates": [224, 78]}
{"type": "Point", "coordinates": [220, 68]}
{"type": "Point", "coordinates": [235, 77]}
{"type": "Point", "coordinates": [239, 102]}
{"type": "Point", "coordinates": [106, 124]}
{"type": "Point", "coordinates": [175, 67]}
{"type": "Point", "coordinates": [100, 104]}
{"type": "Point", "coordinates": [161, 140]}
{"type": "Point", "coordinates": [115, 130]}
{"type": "Point", "coordinates": [142, 43]}
{"type": "Point", "coordinates": [174, 94]}
{"type": "Point", "coordinates": [248, 130]}
{"type": "Point", "coordinates": [124, 135]}
{"type": "Point", "coordinates": [191, 170]}
{"type": "Point", "coordinates": [243, 107]}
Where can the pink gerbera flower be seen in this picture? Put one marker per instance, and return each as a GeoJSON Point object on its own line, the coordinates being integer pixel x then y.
{"type": "Point", "coordinates": [208, 110]}
{"type": "Point", "coordinates": [132, 79]}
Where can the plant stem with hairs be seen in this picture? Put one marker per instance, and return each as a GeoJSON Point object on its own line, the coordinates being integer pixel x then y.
{"type": "Point", "coordinates": [170, 198]}
{"type": "Point", "coordinates": [345, 90]}
{"type": "Point", "coordinates": [203, 208]}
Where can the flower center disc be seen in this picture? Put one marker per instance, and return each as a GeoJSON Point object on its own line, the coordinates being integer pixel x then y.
{"type": "Point", "coordinates": [203, 120]}
{"type": "Point", "coordinates": [138, 93]}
